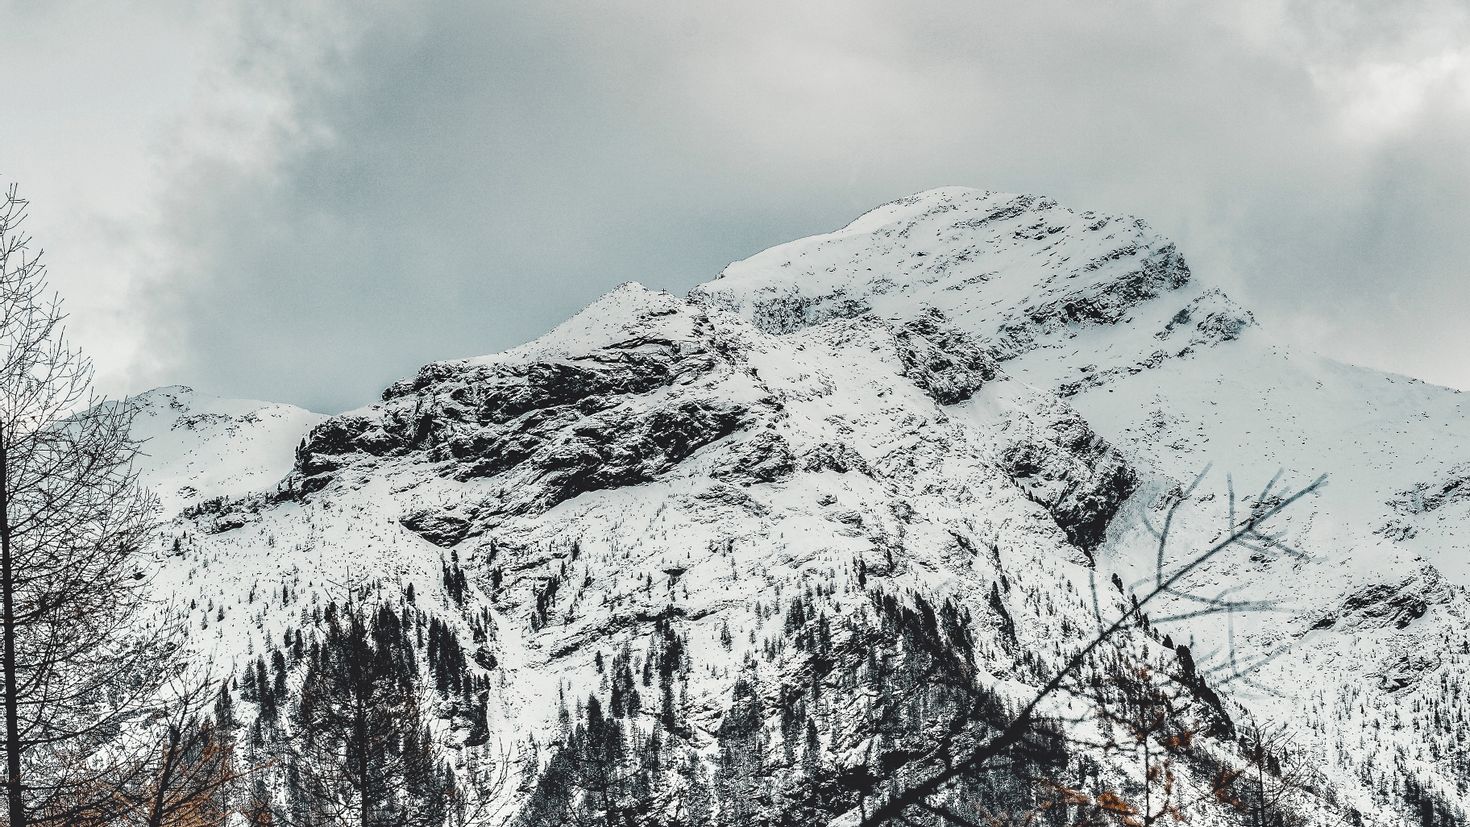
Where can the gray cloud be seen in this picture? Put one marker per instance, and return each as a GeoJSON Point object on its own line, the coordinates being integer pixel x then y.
{"type": "Point", "coordinates": [453, 178]}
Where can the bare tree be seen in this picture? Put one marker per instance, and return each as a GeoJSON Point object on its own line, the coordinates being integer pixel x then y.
{"type": "Point", "coordinates": [73, 518]}
{"type": "Point", "coordinates": [1275, 770]}
{"type": "Point", "coordinates": [182, 763]}
{"type": "Point", "coordinates": [925, 795]}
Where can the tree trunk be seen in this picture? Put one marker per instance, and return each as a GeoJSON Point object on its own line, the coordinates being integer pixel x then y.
{"type": "Point", "coordinates": [160, 796]}
{"type": "Point", "coordinates": [1259, 755]}
{"type": "Point", "coordinates": [13, 787]}
{"type": "Point", "coordinates": [1148, 783]}
{"type": "Point", "coordinates": [359, 731]}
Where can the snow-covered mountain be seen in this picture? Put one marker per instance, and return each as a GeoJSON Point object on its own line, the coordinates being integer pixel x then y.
{"type": "Point", "coordinates": [197, 448]}
{"type": "Point", "coordinates": [791, 511]}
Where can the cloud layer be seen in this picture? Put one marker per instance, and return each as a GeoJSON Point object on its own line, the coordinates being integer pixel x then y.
{"type": "Point", "coordinates": [334, 197]}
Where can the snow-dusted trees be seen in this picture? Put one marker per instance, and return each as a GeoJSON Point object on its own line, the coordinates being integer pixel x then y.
{"type": "Point", "coordinates": [629, 762]}
{"type": "Point", "coordinates": [361, 752]}
{"type": "Point", "coordinates": [738, 781]}
{"type": "Point", "coordinates": [73, 517]}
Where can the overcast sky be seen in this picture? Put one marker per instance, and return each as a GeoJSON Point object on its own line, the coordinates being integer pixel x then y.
{"type": "Point", "coordinates": [303, 202]}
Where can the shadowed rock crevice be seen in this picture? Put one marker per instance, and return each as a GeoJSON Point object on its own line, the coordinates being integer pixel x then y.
{"type": "Point", "coordinates": [1072, 472]}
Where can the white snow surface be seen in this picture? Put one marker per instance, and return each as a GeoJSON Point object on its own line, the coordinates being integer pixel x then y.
{"type": "Point", "coordinates": [197, 447]}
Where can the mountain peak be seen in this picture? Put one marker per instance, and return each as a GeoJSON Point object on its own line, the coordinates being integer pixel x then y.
{"type": "Point", "coordinates": [988, 260]}
{"type": "Point", "coordinates": [964, 402]}
{"type": "Point", "coordinates": [1017, 273]}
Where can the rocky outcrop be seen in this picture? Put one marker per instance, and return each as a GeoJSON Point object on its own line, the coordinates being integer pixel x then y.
{"type": "Point", "coordinates": [1211, 318]}
{"type": "Point", "coordinates": [1453, 487]}
{"type": "Point", "coordinates": [612, 451]}
{"type": "Point", "coordinates": [835, 456]}
{"type": "Point", "coordinates": [444, 529]}
{"type": "Point", "coordinates": [1096, 302]}
{"type": "Point", "coordinates": [1388, 605]}
{"type": "Point", "coordinates": [1062, 464]}
{"type": "Point", "coordinates": [550, 429]}
{"type": "Point", "coordinates": [766, 457]}
{"type": "Point", "coordinates": [945, 363]}
{"type": "Point", "coordinates": [793, 311]}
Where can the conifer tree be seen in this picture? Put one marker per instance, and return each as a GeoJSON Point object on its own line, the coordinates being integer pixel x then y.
{"type": "Point", "coordinates": [363, 755]}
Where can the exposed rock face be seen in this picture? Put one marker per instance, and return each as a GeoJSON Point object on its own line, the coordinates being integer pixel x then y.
{"type": "Point", "coordinates": [1389, 605]}
{"type": "Point", "coordinates": [784, 314]}
{"type": "Point", "coordinates": [440, 528]}
{"type": "Point", "coordinates": [1213, 317]}
{"type": "Point", "coordinates": [1209, 319]}
{"type": "Point", "coordinates": [458, 412]}
{"type": "Point", "coordinates": [840, 457]}
{"type": "Point", "coordinates": [550, 429]}
{"type": "Point", "coordinates": [941, 360]}
{"type": "Point", "coordinates": [766, 457]}
{"type": "Point", "coordinates": [1152, 272]}
{"type": "Point", "coordinates": [1071, 471]}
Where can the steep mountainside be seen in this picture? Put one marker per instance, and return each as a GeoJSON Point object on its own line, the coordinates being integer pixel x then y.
{"type": "Point", "coordinates": [770, 552]}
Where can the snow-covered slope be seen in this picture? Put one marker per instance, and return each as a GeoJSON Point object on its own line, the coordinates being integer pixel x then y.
{"type": "Point", "coordinates": [972, 402]}
{"type": "Point", "coordinates": [198, 448]}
